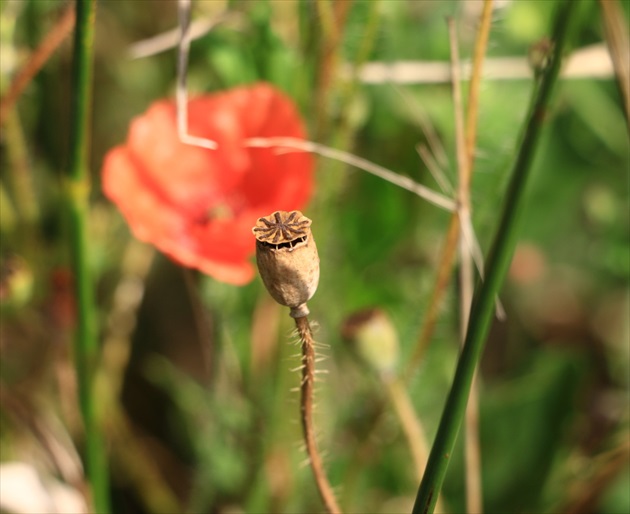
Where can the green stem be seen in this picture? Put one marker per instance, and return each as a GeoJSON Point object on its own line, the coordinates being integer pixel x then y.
{"type": "Point", "coordinates": [496, 268]}
{"type": "Point", "coordinates": [77, 193]}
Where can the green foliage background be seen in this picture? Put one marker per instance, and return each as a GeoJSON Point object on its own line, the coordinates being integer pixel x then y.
{"type": "Point", "coordinates": [224, 437]}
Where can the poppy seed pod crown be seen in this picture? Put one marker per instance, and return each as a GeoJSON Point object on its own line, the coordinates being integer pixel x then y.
{"type": "Point", "coordinates": [287, 259]}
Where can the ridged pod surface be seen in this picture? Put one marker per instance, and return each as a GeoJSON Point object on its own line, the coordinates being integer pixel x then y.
{"type": "Point", "coordinates": [287, 259]}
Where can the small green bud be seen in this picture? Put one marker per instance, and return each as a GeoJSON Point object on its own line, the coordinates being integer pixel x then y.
{"type": "Point", "coordinates": [374, 339]}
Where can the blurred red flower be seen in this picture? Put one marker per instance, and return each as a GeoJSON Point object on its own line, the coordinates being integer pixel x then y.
{"type": "Point", "coordinates": [197, 205]}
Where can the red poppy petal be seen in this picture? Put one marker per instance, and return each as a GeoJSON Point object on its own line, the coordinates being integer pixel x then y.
{"type": "Point", "coordinates": [224, 240]}
{"type": "Point", "coordinates": [192, 178]}
{"type": "Point", "coordinates": [198, 205]}
{"type": "Point", "coordinates": [237, 274]}
{"type": "Point", "coordinates": [149, 218]}
{"type": "Point", "coordinates": [152, 221]}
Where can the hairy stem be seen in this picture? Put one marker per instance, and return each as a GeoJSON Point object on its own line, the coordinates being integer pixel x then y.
{"type": "Point", "coordinates": [306, 409]}
{"type": "Point", "coordinates": [496, 268]}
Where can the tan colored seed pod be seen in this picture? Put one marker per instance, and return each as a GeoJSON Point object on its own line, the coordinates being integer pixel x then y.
{"type": "Point", "coordinates": [287, 259]}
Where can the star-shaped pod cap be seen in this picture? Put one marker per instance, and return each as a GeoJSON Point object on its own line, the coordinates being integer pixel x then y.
{"type": "Point", "coordinates": [287, 259]}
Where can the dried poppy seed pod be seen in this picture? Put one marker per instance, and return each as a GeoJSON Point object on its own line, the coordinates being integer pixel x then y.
{"type": "Point", "coordinates": [287, 259]}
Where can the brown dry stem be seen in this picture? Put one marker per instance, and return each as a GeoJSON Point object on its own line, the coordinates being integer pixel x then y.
{"type": "Point", "coordinates": [333, 16]}
{"type": "Point", "coordinates": [37, 59]}
{"type": "Point", "coordinates": [306, 410]}
{"type": "Point", "coordinates": [616, 30]}
{"type": "Point", "coordinates": [441, 282]}
{"type": "Point", "coordinates": [465, 149]}
{"type": "Point", "coordinates": [466, 142]}
{"type": "Point", "coordinates": [412, 428]}
{"type": "Point", "coordinates": [450, 245]}
{"type": "Point", "coordinates": [474, 498]}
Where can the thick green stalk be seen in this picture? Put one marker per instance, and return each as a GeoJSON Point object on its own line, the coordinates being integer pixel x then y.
{"type": "Point", "coordinates": [496, 268]}
{"type": "Point", "coordinates": [77, 191]}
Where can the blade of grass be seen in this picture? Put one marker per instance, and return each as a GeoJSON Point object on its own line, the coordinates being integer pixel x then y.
{"type": "Point", "coordinates": [468, 138]}
{"type": "Point", "coordinates": [496, 268]}
{"type": "Point", "coordinates": [464, 153]}
{"type": "Point", "coordinates": [77, 194]}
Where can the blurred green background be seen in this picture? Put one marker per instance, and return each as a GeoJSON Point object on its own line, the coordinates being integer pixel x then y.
{"type": "Point", "coordinates": [198, 402]}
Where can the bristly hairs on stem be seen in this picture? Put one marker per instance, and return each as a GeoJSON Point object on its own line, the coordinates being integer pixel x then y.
{"type": "Point", "coordinates": [288, 263]}
{"type": "Point", "coordinates": [306, 410]}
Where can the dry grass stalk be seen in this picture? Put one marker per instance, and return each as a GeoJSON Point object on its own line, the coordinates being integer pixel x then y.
{"type": "Point", "coordinates": [37, 59]}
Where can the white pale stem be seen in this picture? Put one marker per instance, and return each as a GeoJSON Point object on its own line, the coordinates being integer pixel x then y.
{"type": "Point", "coordinates": [291, 143]}
{"type": "Point", "coordinates": [181, 97]}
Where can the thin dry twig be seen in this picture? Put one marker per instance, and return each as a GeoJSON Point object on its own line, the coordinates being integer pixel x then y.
{"type": "Point", "coordinates": [422, 118]}
{"type": "Point", "coordinates": [474, 494]}
{"type": "Point", "coordinates": [589, 62]}
{"type": "Point", "coordinates": [434, 168]}
{"type": "Point", "coordinates": [481, 44]}
{"type": "Point", "coordinates": [182, 90]}
{"type": "Point", "coordinates": [171, 38]}
{"type": "Point", "coordinates": [441, 282]}
{"type": "Point", "coordinates": [295, 144]}
{"type": "Point", "coordinates": [616, 30]}
{"type": "Point", "coordinates": [283, 143]}
{"type": "Point", "coordinates": [465, 144]}
{"type": "Point", "coordinates": [584, 494]}
{"type": "Point", "coordinates": [333, 16]}
{"type": "Point", "coordinates": [37, 59]}
{"type": "Point", "coordinates": [459, 221]}
{"type": "Point", "coordinates": [411, 426]}
{"type": "Point", "coordinates": [306, 408]}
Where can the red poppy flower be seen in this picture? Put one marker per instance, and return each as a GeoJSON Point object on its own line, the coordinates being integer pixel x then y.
{"type": "Point", "coordinates": [197, 205]}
